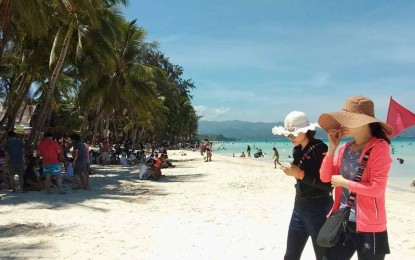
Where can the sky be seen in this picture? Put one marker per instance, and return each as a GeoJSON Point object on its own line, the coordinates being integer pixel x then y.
{"type": "Point", "coordinates": [258, 60]}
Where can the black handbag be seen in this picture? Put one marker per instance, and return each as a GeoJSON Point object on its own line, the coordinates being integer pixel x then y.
{"type": "Point", "coordinates": [335, 226]}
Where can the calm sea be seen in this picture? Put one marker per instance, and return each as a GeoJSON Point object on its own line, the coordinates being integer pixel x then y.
{"type": "Point", "coordinates": [400, 176]}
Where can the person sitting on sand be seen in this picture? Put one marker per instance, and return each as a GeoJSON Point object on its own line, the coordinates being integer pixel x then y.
{"type": "Point", "coordinates": [123, 159]}
{"type": "Point", "coordinates": [69, 176]}
{"type": "Point", "coordinates": [242, 155]}
{"type": "Point", "coordinates": [33, 182]}
{"type": "Point", "coordinates": [141, 158]}
{"type": "Point", "coordinates": [148, 170]}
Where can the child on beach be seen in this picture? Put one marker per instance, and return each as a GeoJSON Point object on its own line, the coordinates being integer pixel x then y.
{"type": "Point", "coordinates": [366, 230]}
{"type": "Point", "coordinates": [313, 198]}
{"type": "Point", "coordinates": [69, 168]}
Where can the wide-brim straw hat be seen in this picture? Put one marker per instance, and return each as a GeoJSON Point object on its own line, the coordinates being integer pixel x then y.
{"type": "Point", "coordinates": [357, 111]}
{"type": "Point", "coordinates": [295, 122]}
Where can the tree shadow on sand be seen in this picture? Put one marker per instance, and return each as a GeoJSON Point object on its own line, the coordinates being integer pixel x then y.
{"type": "Point", "coordinates": [109, 183]}
{"type": "Point", "coordinates": [25, 229]}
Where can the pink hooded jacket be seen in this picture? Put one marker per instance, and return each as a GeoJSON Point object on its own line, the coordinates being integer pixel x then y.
{"type": "Point", "coordinates": [370, 203]}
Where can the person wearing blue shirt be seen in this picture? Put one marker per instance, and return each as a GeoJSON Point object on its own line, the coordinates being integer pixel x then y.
{"type": "Point", "coordinates": [15, 160]}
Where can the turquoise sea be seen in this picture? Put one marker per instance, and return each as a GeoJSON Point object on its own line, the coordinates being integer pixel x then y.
{"type": "Point", "coordinates": [400, 176]}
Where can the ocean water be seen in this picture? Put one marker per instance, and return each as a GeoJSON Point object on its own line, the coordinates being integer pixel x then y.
{"type": "Point", "coordinates": [400, 176]}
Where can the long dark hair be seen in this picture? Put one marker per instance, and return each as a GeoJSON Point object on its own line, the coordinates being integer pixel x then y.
{"type": "Point", "coordinates": [377, 131]}
{"type": "Point", "coordinates": [310, 134]}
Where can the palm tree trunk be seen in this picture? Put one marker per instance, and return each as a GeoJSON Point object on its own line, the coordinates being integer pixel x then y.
{"type": "Point", "coordinates": [50, 89]}
{"type": "Point", "coordinates": [14, 102]}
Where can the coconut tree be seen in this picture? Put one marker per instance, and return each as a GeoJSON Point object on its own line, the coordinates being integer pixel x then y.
{"type": "Point", "coordinates": [29, 16]}
{"type": "Point", "coordinates": [24, 63]}
{"type": "Point", "coordinates": [77, 18]}
{"type": "Point", "coordinates": [127, 87]}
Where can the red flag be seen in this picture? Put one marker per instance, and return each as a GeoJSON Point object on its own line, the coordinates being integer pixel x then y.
{"type": "Point", "coordinates": [399, 117]}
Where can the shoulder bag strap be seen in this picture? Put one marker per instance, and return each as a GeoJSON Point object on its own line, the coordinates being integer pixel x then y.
{"type": "Point", "coordinates": [359, 174]}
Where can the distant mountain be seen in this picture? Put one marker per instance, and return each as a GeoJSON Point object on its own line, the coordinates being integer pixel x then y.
{"type": "Point", "coordinates": [240, 130]}
{"type": "Point", "coordinates": [256, 131]}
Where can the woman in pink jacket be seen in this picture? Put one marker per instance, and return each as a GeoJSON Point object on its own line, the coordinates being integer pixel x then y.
{"type": "Point", "coordinates": [366, 231]}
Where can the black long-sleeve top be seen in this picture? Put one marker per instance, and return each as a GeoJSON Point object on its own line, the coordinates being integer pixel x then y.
{"type": "Point", "coordinates": [311, 190]}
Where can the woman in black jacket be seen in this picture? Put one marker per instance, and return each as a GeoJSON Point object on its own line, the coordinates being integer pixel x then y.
{"type": "Point", "coordinates": [313, 198]}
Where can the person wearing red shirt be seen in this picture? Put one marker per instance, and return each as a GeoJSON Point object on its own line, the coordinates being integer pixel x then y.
{"type": "Point", "coordinates": [51, 153]}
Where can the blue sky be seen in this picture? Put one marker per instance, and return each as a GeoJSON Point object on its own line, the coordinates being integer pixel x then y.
{"type": "Point", "coordinates": [257, 60]}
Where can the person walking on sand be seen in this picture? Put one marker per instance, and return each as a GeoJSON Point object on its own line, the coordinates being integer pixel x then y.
{"type": "Point", "coordinates": [15, 160]}
{"type": "Point", "coordinates": [51, 153]}
{"type": "Point", "coordinates": [366, 230]}
{"type": "Point", "coordinates": [248, 151]}
{"type": "Point", "coordinates": [313, 198]}
{"type": "Point", "coordinates": [276, 157]}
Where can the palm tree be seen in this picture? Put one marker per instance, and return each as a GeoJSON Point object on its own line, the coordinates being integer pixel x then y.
{"type": "Point", "coordinates": [128, 87]}
{"type": "Point", "coordinates": [77, 18]}
{"type": "Point", "coordinates": [19, 16]}
{"type": "Point", "coordinates": [24, 62]}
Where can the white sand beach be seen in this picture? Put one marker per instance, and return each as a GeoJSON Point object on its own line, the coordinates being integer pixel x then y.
{"type": "Point", "coordinates": [230, 208]}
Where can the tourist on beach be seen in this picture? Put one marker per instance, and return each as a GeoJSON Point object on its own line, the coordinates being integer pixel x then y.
{"type": "Point", "coordinates": [366, 230]}
{"type": "Point", "coordinates": [33, 182]}
{"type": "Point", "coordinates": [51, 153]}
{"type": "Point", "coordinates": [248, 150]}
{"type": "Point", "coordinates": [80, 164]}
{"type": "Point", "coordinates": [313, 198]}
{"type": "Point", "coordinates": [105, 152]}
{"type": "Point", "coordinates": [276, 157]}
{"type": "Point", "coordinates": [208, 151]}
{"type": "Point", "coordinates": [259, 153]}
{"type": "Point", "coordinates": [15, 160]}
{"type": "Point", "coordinates": [148, 170]}
{"type": "Point", "coordinates": [243, 155]}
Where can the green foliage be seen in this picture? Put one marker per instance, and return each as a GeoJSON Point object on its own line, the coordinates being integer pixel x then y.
{"type": "Point", "coordinates": [107, 74]}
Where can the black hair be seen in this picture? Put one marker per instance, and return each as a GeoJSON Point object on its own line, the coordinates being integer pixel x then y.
{"type": "Point", "coordinates": [48, 134]}
{"type": "Point", "coordinates": [11, 134]}
{"type": "Point", "coordinates": [377, 131]}
{"type": "Point", "coordinates": [75, 137]}
{"type": "Point", "coordinates": [310, 134]}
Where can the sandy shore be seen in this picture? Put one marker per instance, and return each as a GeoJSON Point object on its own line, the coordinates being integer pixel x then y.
{"type": "Point", "coordinates": [230, 208]}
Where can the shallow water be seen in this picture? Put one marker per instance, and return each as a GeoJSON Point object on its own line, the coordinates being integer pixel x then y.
{"type": "Point", "coordinates": [400, 176]}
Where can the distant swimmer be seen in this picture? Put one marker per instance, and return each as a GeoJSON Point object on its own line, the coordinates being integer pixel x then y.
{"type": "Point", "coordinates": [401, 160]}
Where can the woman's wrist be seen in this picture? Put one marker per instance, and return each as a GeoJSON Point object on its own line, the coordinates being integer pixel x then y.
{"type": "Point", "coordinates": [299, 175]}
{"type": "Point", "coordinates": [332, 150]}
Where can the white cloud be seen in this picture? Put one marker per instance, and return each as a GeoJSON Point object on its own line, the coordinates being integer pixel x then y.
{"type": "Point", "coordinates": [213, 113]}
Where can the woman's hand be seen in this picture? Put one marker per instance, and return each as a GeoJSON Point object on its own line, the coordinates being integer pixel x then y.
{"type": "Point", "coordinates": [339, 181]}
{"type": "Point", "coordinates": [293, 170]}
{"type": "Point", "coordinates": [334, 136]}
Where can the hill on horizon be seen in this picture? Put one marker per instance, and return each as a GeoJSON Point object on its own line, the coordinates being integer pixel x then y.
{"type": "Point", "coordinates": [243, 130]}
{"type": "Point", "coordinates": [256, 131]}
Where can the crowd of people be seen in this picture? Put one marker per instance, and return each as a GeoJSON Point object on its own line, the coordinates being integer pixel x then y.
{"type": "Point", "coordinates": [67, 160]}
{"type": "Point", "coordinates": [356, 171]}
